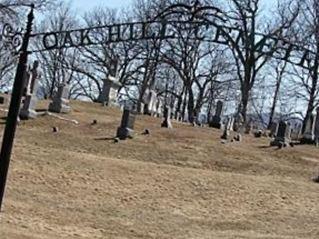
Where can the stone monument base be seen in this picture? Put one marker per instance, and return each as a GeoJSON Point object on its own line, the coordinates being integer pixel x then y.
{"type": "Point", "coordinates": [215, 123]}
{"type": "Point", "coordinates": [124, 133]}
{"type": "Point", "coordinates": [60, 106]}
{"type": "Point", "coordinates": [307, 140]}
{"type": "Point", "coordinates": [283, 142]}
{"type": "Point", "coordinates": [28, 114]}
{"type": "Point", "coordinates": [167, 124]}
{"type": "Point", "coordinates": [28, 109]}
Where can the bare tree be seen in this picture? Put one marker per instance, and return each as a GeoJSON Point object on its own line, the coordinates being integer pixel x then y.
{"type": "Point", "coordinates": [245, 16]}
{"type": "Point", "coordinates": [54, 62]}
{"type": "Point", "coordinates": [279, 69]}
{"type": "Point", "coordinates": [308, 36]}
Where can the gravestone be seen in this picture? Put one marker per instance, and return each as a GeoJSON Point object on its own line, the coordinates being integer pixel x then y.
{"type": "Point", "coordinates": [167, 118]}
{"type": "Point", "coordinates": [283, 135]}
{"type": "Point", "coordinates": [273, 129]}
{"type": "Point", "coordinates": [238, 123]}
{"type": "Point", "coordinates": [152, 106]}
{"type": "Point", "coordinates": [126, 129]}
{"type": "Point", "coordinates": [110, 89]}
{"type": "Point", "coordinates": [60, 103]}
{"type": "Point", "coordinates": [179, 117]}
{"type": "Point", "coordinates": [149, 100]}
{"type": "Point", "coordinates": [227, 128]}
{"type": "Point", "coordinates": [216, 120]}
{"type": "Point", "coordinates": [231, 124]}
{"type": "Point", "coordinates": [144, 102]}
{"type": "Point", "coordinates": [202, 119]}
{"type": "Point", "coordinates": [249, 127]}
{"type": "Point", "coordinates": [140, 107]}
{"type": "Point", "coordinates": [309, 134]}
{"type": "Point", "coordinates": [4, 99]}
{"type": "Point", "coordinates": [159, 107]}
{"type": "Point", "coordinates": [258, 134]}
{"type": "Point", "coordinates": [299, 131]}
{"type": "Point", "coordinates": [30, 101]}
{"type": "Point", "coordinates": [295, 132]}
{"type": "Point", "coordinates": [185, 117]}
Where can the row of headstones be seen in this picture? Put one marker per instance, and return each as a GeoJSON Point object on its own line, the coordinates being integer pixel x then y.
{"type": "Point", "coordinates": [126, 128]}
{"type": "Point", "coordinates": [233, 123]}
{"type": "Point", "coordinates": [283, 132]}
{"type": "Point", "coordinates": [152, 104]}
{"type": "Point", "coordinates": [59, 104]}
{"type": "Point", "coordinates": [236, 124]}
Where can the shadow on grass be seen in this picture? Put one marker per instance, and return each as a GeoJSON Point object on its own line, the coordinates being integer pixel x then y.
{"type": "Point", "coordinates": [105, 139]}
{"type": "Point", "coordinates": [42, 110]}
{"type": "Point", "coordinates": [265, 147]}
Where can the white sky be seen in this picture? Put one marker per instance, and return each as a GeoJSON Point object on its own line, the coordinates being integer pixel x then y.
{"type": "Point", "coordinates": [84, 5]}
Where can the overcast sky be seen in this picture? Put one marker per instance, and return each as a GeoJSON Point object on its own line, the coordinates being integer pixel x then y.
{"type": "Point", "coordinates": [85, 5]}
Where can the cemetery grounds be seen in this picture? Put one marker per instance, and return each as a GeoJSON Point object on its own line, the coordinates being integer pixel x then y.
{"type": "Point", "coordinates": [173, 183]}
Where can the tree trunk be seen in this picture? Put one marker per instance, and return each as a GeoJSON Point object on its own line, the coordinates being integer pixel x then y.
{"type": "Point", "coordinates": [244, 101]}
{"type": "Point", "coordinates": [274, 104]}
{"type": "Point", "coordinates": [184, 105]}
{"type": "Point", "coordinates": [190, 106]}
{"type": "Point", "coordinates": [310, 108]}
{"type": "Point", "coordinates": [179, 104]}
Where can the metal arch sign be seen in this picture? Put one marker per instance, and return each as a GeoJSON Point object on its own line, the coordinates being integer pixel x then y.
{"type": "Point", "coordinates": [103, 35]}
{"type": "Point", "coordinates": [269, 46]}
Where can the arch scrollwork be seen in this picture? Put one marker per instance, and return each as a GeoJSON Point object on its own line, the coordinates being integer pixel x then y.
{"type": "Point", "coordinates": [11, 38]}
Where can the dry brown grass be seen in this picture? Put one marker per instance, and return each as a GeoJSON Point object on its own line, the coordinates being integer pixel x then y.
{"type": "Point", "coordinates": [180, 183]}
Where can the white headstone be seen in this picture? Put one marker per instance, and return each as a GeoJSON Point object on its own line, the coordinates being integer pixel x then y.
{"type": "Point", "coordinates": [30, 101]}
{"type": "Point", "coordinates": [110, 89]}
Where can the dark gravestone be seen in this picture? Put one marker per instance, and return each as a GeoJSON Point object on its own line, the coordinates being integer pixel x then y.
{"type": "Point", "coordinates": [60, 103]}
{"type": "Point", "coordinates": [126, 129]}
{"type": "Point", "coordinates": [167, 118]}
{"type": "Point", "coordinates": [216, 121]}
{"type": "Point", "coordinates": [283, 135]}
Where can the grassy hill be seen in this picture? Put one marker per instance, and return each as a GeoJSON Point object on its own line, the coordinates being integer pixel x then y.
{"type": "Point", "coordinates": [180, 183]}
